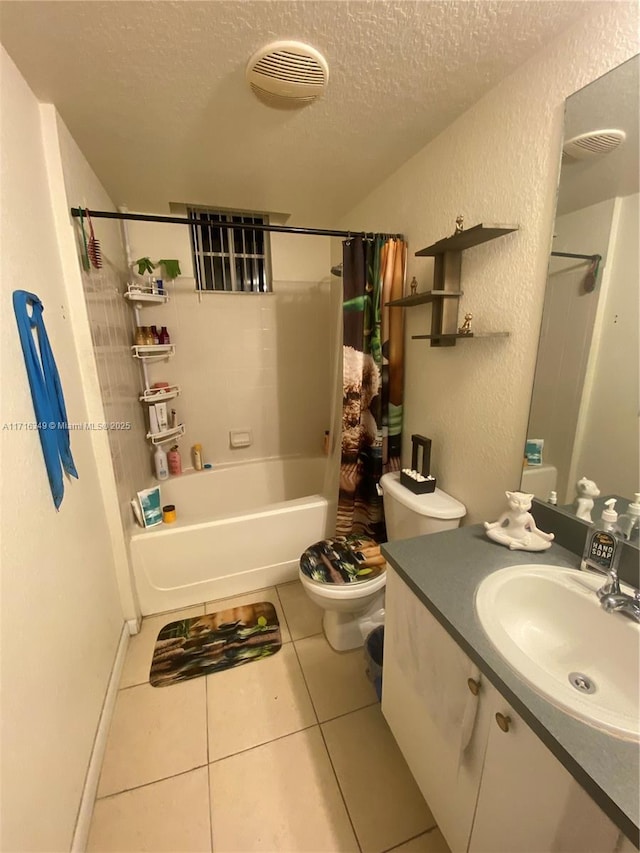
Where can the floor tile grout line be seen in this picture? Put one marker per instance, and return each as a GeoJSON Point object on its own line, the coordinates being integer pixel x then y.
{"type": "Point", "coordinates": [288, 734]}
{"type": "Point", "coordinates": [152, 782]}
{"type": "Point", "coordinates": [342, 794]}
{"type": "Point", "coordinates": [346, 713]}
{"type": "Point", "coordinates": [306, 684]}
{"type": "Point", "coordinates": [413, 838]}
{"type": "Point", "coordinates": [206, 724]}
{"type": "Point", "coordinates": [206, 712]}
{"type": "Point", "coordinates": [263, 743]}
{"type": "Point", "coordinates": [335, 775]}
{"type": "Point", "coordinates": [284, 615]}
{"type": "Point", "coordinates": [337, 716]}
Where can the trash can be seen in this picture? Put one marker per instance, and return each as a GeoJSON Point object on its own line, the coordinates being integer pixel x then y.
{"type": "Point", "coordinates": [373, 653]}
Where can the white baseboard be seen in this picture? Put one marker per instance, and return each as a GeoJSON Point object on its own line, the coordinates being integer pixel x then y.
{"type": "Point", "coordinates": [85, 812]}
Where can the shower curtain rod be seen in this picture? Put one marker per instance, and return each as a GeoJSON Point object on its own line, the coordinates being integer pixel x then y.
{"type": "Point", "coordinates": [76, 212]}
{"type": "Point", "coordinates": [573, 255]}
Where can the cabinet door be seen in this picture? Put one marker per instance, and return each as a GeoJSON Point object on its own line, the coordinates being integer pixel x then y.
{"type": "Point", "coordinates": [528, 802]}
{"type": "Point", "coordinates": [438, 723]}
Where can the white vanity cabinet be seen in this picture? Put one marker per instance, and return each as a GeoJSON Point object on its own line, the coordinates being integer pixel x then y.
{"type": "Point", "coordinates": [490, 790]}
{"type": "Point", "coordinates": [439, 724]}
{"type": "Point", "coordinates": [528, 802]}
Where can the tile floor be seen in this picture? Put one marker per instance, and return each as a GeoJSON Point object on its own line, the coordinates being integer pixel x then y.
{"type": "Point", "coordinates": [289, 753]}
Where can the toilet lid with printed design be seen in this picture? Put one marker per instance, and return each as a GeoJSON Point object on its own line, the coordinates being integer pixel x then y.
{"type": "Point", "coordinates": [343, 560]}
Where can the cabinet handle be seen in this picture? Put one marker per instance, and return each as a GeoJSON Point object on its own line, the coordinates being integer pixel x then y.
{"type": "Point", "coordinates": [473, 685]}
{"type": "Point", "coordinates": [503, 721]}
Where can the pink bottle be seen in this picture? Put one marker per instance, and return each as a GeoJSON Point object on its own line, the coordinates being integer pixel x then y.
{"type": "Point", "coordinates": [174, 460]}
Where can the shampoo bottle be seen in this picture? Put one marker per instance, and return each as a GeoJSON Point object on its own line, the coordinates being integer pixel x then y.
{"type": "Point", "coordinates": [197, 457]}
{"type": "Point", "coordinates": [175, 460]}
{"type": "Point", "coordinates": [160, 462]}
{"type": "Point", "coordinates": [603, 546]}
{"type": "Point", "coordinates": [629, 522]}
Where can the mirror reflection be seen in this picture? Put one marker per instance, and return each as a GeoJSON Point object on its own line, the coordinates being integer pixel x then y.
{"type": "Point", "coordinates": [584, 410]}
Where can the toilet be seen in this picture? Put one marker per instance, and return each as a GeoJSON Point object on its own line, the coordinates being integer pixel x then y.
{"type": "Point", "coordinates": [346, 576]}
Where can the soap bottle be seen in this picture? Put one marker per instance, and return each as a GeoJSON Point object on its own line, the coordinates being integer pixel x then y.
{"type": "Point", "coordinates": [603, 546]}
{"type": "Point", "coordinates": [629, 522]}
{"type": "Point", "coordinates": [175, 460]}
{"type": "Point", "coordinates": [160, 462]}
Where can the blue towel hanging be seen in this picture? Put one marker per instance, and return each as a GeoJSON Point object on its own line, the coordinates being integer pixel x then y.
{"type": "Point", "coordinates": [46, 392]}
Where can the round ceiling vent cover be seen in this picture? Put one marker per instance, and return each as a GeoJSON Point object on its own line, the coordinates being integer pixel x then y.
{"type": "Point", "coordinates": [593, 144]}
{"type": "Point", "coordinates": [287, 74]}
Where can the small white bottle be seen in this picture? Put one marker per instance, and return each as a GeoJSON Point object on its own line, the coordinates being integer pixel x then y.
{"type": "Point", "coordinates": [160, 462]}
{"type": "Point", "coordinates": [603, 546]}
{"type": "Point", "coordinates": [629, 522]}
{"type": "Point", "coordinates": [553, 498]}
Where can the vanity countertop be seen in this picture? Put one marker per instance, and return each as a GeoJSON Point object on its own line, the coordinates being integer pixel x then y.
{"type": "Point", "coordinates": [444, 570]}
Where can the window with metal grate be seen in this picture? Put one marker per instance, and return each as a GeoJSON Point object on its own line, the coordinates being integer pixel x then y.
{"type": "Point", "coordinates": [228, 259]}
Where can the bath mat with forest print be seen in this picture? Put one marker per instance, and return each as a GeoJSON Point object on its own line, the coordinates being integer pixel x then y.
{"type": "Point", "coordinates": [205, 644]}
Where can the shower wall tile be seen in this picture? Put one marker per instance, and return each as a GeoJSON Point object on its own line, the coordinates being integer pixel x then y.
{"type": "Point", "coordinates": [111, 324]}
{"type": "Point", "coordinates": [258, 362]}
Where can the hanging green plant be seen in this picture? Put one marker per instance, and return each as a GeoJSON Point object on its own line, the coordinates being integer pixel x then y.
{"type": "Point", "coordinates": [171, 266]}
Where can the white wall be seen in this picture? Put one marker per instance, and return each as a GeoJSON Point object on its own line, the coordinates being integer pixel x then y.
{"type": "Point", "coordinates": [607, 444]}
{"type": "Point", "coordinates": [565, 339]}
{"type": "Point", "coordinates": [247, 361]}
{"type": "Point", "coordinates": [60, 612]}
{"type": "Point", "coordinates": [499, 162]}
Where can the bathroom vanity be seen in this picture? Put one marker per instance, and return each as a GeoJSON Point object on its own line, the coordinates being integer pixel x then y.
{"type": "Point", "coordinates": [501, 768]}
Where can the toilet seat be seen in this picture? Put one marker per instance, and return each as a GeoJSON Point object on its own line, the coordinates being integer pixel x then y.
{"type": "Point", "coordinates": [343, 561]}
{"type": "Point", "coordinates": [345, 592]}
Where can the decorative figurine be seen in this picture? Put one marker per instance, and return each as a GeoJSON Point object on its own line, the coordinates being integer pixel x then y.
{"type": "Point", "coordinates": [516, 528]}
{"type": "Point", "coordinates": [413, 286]}
{"type": "Point", "coordinates": [459, 224]}
{"type": "Point", "coordinates": [587, 491]}
{"type": "Point", "coordinates": [465, 328]}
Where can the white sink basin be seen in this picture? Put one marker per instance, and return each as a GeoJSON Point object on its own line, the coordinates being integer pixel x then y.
{"type": "Point", "coordinates": [547, 623]}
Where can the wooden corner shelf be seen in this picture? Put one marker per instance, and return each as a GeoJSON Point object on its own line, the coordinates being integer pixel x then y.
{"type": "Point", "coordinates": [423, 298]}
{"type": "Point", "coordinates": [461, 337]}
{"type": "Point", "coordinates": [447, 254]}
{"type": "Point", "coordinates": [466, 239]}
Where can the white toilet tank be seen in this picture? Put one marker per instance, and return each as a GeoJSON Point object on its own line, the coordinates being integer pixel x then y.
{"type": "Point", "coordinates": [408, 514]}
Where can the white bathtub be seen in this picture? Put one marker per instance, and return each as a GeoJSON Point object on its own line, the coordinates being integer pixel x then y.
{"type": "Point", "coordinates": [239, 527]}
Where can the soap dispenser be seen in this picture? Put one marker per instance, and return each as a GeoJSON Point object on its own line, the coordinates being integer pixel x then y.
{"type": "Point", "coordinates": [603, 546]}
{"type": "Point", "coordinates": [629, 522]}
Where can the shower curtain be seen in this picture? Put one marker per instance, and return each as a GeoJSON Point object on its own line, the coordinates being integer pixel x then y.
{"type": "Point", "coordinates": [373, 378]}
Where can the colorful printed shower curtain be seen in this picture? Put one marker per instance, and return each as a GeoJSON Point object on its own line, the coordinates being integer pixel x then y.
{"type": "Point", "coordinates": [373, 378]}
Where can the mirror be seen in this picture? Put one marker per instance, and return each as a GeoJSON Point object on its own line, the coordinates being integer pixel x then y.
{"type": "Point", "coordinates": [585, 395]}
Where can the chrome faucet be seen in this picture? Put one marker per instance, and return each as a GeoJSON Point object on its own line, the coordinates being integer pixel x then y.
{"type": "Point", "coordinates": [613, 600]}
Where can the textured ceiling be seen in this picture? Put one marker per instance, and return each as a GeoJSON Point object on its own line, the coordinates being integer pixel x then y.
{"type": "Point", "coordinates": [154, 92]}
